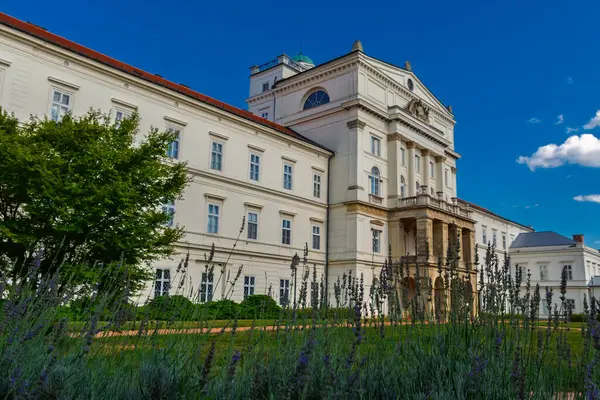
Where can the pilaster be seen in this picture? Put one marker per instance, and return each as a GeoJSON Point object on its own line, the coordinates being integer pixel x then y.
{"type": "Point", "coordinates": [424, 236]}
{"type": "Point", "coordinates": [426, 168]}
{"type": "Point", "coordinates": [454, 190]}
{"type": "Point", "coordinates": [355, 141]}
{"type": "Point", "coordinates": [412, 180]}
{"type": "Point", "coordinates": [397, 239]}
{"type": "Point", "coordinates": [439, 164]}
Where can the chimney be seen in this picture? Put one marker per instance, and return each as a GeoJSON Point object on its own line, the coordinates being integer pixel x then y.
{"type": "Point", "coordinates": [578, 238]}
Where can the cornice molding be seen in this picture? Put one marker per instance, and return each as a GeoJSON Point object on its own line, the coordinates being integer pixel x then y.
{"type": "Point", "coordinates": [356, 123]}
{"type": "Point", "coordinates": [61, 82]}
{"type": "Point", "coordinates": [6, 63]}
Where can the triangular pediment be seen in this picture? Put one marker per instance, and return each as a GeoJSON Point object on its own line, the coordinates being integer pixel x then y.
{"type": "Point", "coordinates": [402, 76]}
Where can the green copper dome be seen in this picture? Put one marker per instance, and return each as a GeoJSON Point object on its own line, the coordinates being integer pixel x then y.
{"type": "Point", "coordinates": [302, 58]}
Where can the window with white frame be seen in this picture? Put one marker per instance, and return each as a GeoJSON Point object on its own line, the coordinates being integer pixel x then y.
{"type": "Point", "coordinates": [206, 287]}
{"type": "Point", "coordinates": [254, 167]}
{"type": "Point", "coordinates": [570, 304]}
{"type": "Point", "coordinates": [431, 170]}
{"type": "Point", "coordinates": [249, 285]}
{"type": "Point", "coordinates": [61, 104]}
{"type": "Point", "coordinates": [216, 156]}
{"type": "Point", "coordinates": [417, 163]}
{"type": "Point", "coordinates": [504, 240]}
{"type": "Point", "coordinates": [284, 292]}
{"type": "Point", "coordinates": [494, 236]}
{"type": "Point", "coordinates": [316, 237]}
{"type": "Point", "coordinates": [402, 187]}
{"type": "Point", "coordinates": [484, 234]}
{"type": "Point", "coordinates": [286, 231]}
{"type": "Point", "coordinates": [376, 240]}
{"type": "Point", "coordinates": [403, 156]}
{"type": "Point", "coordinates": [213, 217]}
{"type": "Point", "coordinates": [374, 182]}
{"type": "Point", "coordinates": [264, 114]}
{"type": "Point", "coordinates": [169, 210]}
{"type": "Point", "coordinates": [162, 282]}
{"type": "Point", "coordinates": [316, 185]}
{"type": "Point", "coordinates": [265, 86]}
{"type": "Point", "coordinates": [375, 146]}
{"type": "Point", "coordinates": [173, 148]}
{"type": "Point", "coordinates": [253, 225]}
{"type": "Point", "coordinates": [569, 270]}
{"type": "Point", "coordinates": [543, 272]}
{"type": "Point", "coordinates": [288, 171]}
{"type": "Point", "coordinates": [120, 115]}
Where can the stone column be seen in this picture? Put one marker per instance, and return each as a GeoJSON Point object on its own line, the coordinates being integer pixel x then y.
{"type": "Point", "coordinates": [355, 156]}
{"type": "Point", "coordinates": [426, 169]}
{"type": "Point", "coordinates": [453, 177]}
{"type": "Point", "coordinates": [397, 240]}
{"type": "Point", "coordinates": [462, 248]}
{"type": "Point", "coordinates": [394, 163]}
{"type": "Point", "coordinates": [424, 234]}
{"type": "Point", "coordinates": [412, 180]}
{"type": "Point", "coordinates": [439, 164]}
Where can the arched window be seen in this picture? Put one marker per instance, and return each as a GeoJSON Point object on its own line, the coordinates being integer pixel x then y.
{"type": "Point", "coordinates": [418, 188]}
{"type": "Point", "coordinates": [402, 187]}
{"type": "Point", "coordinates": [374, 187]}
{"type": "Point", "coordinates": [316, 99]}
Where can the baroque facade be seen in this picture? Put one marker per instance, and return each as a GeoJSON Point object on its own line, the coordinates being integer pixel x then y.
{"type": "Point", "coordinates": [350, 157]}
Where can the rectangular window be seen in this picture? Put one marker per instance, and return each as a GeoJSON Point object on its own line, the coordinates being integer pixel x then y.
{"type": "Point", "coordinates": [120, 115]}
{"type": "Point", "coordinates": [484, 235]}
{"type": "Point", "coordinates": [288, 170]}
{"type": "Point", "coordinates": [375, 146]}
{"type": "Point", "coordinates": [249, 282]}
{"type": "Point", "coordinates": [213, 218]}
{"type": "Point", "coordinates": [284, 292]}
{"type": "Point", "coordinates": [173, 148]}
{"type": "Point", "coordinates": [494, 235]}
{"type": "Point", "coordinates": [543, 272]}
{"type": "Point", "coordinates": [317, 185]}
{"type": "Point", "coordinates": [252, 225]}
{"type": "Point", "coordinates": [265, 86]}
{"type": "Point", "coordinates": [254, 167]}
{"type": "Point", "coordinates": [403, 156]}
{"type": "Point", "coordinates": [316, 237]}
{"type": "Point", "coordinates": [417, 163]}
{"type": "Point", "coordinates": [61, 104]}
{"type": "Point", "coordinates": [570, 305]}
{"type": "Point", "coordinates": [216, 156]}
{"type": "Point", "coordinates": [265, 115]}
{"type": "Point", "coordinates": [446, 178]}
{"type": "Point", "coordinates": [504, 241]}
{"type": "Point", "coordinates": [162, 283]}
{"type": "Point", "coordinates": [431, 170]}
{"type": "Point", "coordinates": [569, 272]}
{"type": "Point", "coordinates": [169, 210]}
{"type": "Point", "coordinates": [376, 241]}
{"type": "Point", "coordinates": [286, 231]}
{"type": "Point", "coordinates": [206, 287]}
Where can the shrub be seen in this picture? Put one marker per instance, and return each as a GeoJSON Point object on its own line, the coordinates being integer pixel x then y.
{"type": "Point", "coordinates": [222, 309]}
{"type": "Point", "coordinates": [175, 307]}
{"type": "Point", "coordinates": [259, 306]}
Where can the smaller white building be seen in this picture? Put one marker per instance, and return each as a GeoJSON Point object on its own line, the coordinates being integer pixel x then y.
{"type": "Point", "coordinates": [545, 254]}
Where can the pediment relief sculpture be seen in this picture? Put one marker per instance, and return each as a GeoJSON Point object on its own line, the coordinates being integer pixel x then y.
{"type": "Point", "coordinates": [418, 109]}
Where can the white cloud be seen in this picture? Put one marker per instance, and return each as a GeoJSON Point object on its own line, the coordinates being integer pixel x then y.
{"type": "Point", "coordinates": [582, 150]}
{"type": "Point", "coordinates": [527, 207]}
{"type": "Point", "coordinates": [594, 122]}
{"type": "Point", "coordinates": [572, 130]}
{"type": "Point", "coordinates": [536, 205]}
{"type": "Point", "coordinates": [561, 119]}
{"type": "Point", "coordinates": [533, 120]}
{"type": "Point", "coordinates": [594, 198]}
{"type": "Point", "coordinates": [597, 242]}
{"type": "Point", "coordinates": [569, 80]}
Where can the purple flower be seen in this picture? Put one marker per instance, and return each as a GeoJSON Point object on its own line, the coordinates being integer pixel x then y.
{"type": "Point", "coordinates": [303, 359]}
{"type": "Point", "coordinates": [236, 356]}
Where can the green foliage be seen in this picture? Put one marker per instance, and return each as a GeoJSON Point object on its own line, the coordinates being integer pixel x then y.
{"type": "Point", "coordinates": [260, 306]}
{"type": "Point", "coordinates": [85, 193]}
{"type": "Point", "coordinates": [175, 307]}
{"type": "Point", "coordinates": [221, 310]}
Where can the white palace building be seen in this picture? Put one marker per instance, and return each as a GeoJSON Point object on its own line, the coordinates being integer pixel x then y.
{"type": "Point", "coordinates": [350, 156]}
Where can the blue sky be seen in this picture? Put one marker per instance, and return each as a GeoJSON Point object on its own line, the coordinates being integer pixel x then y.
{"type": "Point", "coordinates": [508, 68]}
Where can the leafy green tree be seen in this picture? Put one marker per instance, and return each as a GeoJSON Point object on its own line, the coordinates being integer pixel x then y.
{"type": "Point", "coordinates": [84, 194]}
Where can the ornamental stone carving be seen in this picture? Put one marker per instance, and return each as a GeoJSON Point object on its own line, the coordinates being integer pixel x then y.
{"type": "Point", "coordinates": [418, 109]}
{"type": "Point", "coordinates": [407, 66]}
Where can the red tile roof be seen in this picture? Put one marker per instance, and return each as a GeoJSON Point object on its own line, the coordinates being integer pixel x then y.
{"type": "Point", "coordinates": [56, 40]}
{"type": "Point", "coordinates": [485, 210]}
